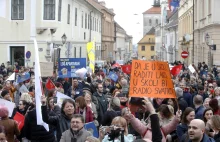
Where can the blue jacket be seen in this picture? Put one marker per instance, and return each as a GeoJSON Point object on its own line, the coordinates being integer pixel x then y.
{"type": "Point", "coordinates": [188, 98]}
{"type": "Point", "coordinates": [181, 129]}
{"type": "Point", "coordinates": [206, 139]}
{"type": "Point", "coordinates": [199, 112]}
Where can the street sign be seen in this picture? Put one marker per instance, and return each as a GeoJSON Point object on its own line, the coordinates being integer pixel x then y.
{"type": "Point", "coordinates": [28, 54]}
{"type": "Point", "coordinates": [184, 54]}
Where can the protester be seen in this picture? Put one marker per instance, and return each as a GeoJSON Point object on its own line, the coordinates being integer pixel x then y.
{"type": "Point", "coordinates": [76, 132]}
{"type": "Point", "coordinates": [76, 89]}
{"type": "Point", "coordinates": [10, 126]}
{"type": "Point", "coordinates": [199, 109]}
{"type": "Point", "coordinates": [215, 124]}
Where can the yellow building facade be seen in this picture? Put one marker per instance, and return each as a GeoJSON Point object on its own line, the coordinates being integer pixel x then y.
{"type": "Point", "coordinates": [146, 46]}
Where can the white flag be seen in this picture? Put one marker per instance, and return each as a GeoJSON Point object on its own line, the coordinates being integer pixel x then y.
{"type": "Point", "coordinates": [12, 77]}
{"type": "Point", "coordinates": [38, 91]}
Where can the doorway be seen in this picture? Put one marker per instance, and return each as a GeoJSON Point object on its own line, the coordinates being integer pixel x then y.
{"type": "Point", "coordinates": [17, 55]}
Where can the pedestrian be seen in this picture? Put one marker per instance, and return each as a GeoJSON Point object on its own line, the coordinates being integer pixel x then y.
{"type": "Point", "coordinates": [76, 132]}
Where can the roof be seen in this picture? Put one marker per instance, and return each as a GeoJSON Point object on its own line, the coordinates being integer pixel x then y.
{"type": "Point", "coordinates": [153, 10]}
{"type": "Point", "coordinates": [100, 7]}
{"type": "Point", "coordinates": [151, 31]}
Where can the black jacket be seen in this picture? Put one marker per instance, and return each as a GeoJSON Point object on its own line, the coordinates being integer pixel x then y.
{"type": "Point", "coordinates": [101, 103]}
{"type": "Point", "coordinates": [61, 122]}
{"type": "Point", "coordinates": [217, 137]}
{"type": "Point", "coordinates": [182, 104]}
{"type": "Point", "coordinates": [155, 127]}
{"type": "Point", "coordinates": [34, 132]}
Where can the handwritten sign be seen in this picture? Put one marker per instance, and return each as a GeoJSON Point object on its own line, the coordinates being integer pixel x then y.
{"type": "Point", "coordinates": [46, 69]}
{"type": "Point", "coordinates": [151, 79]}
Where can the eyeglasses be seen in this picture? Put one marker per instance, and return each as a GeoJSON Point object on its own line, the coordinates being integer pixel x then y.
{"type": "Point", "coordinates": [77, 122]}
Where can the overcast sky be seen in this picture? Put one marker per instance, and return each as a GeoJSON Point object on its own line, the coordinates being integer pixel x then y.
{"type": "Point", "coordinates": [125, 10]}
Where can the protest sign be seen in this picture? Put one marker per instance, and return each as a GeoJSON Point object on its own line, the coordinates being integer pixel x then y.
{"type": "Point", "coordinates": [151, 79]}
{"type": "Point", "coordinates": [92, 128]}
{"type": "Point", "coordinates": [46, 69]}
{"type": "Point", "coordinates": [9, 105]}
{"type": "Point", "coordinates": [69, 66]}
{"type": "Point", "coordinates": [113, 76]}
{"type": "Point", "coordinates": [191, 68]}
{"type": "Point", "coordinates": [12, 77]}
{"type": "Point", "coordinates": [19, 118]}
{"type": "Point", "coordinates": [61, 97]}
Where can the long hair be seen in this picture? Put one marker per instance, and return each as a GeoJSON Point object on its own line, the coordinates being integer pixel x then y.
{"type": "Point", "coordinates": [81, 101]}
{"type": "Point", "coordinates": [187, 111]}
{"type": "Point", "coordinates": [121, 121]}
{"type": "Point", "coordinates": [216, 122]}
{"type": "Point", "coordinates": [208, 109]}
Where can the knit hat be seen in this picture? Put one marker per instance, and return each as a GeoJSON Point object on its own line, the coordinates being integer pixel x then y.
{"type": "Point", "coordinates": [179, 92]}
{"type": "Point", "coordinates": [4, 93]}
{"type": "Point", "coordinates": [3, 112]}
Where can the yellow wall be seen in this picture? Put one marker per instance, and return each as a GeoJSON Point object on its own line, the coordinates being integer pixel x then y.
{"type": "Point", "coordinates": [145, 42]}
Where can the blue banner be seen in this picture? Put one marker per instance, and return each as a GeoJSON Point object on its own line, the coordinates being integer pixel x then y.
{"type": "Point", "coordinates": [68, 66]}
{"type": "Point", "coordinates": [23, 77]}
{"type": "Point", "coordinates": [92, 128]}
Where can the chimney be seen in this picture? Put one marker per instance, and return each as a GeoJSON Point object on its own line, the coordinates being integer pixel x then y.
{"type": "Point", "coordinates": [111, 9]}
{"type": "Point", "coordinates": [102, 3]}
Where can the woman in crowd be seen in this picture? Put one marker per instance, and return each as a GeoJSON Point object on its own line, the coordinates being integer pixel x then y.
{"type": "Point", "coordinates": [208, 113]}
{"type": "Point", "coordinates": [10, 126]}
{"type": "Point", "coordinates": [61, 122]}
{"type": "Point", "coordinates": [90, 104]}
{"type": "Point", "coordinates": [83, 109]}
{"type": "Point", "coordinates": [172, 102]}
{"type": "Point", "coordinates": [166, 114]}
{"type": "Point", "coordinates": [215, 107]}
{"type": "Point", "coordinates": [22, 107]}
{"type": "Point", "coordinates": [118, 131]}
{"type": "Point", "coordinates": [52, 108]}
{"type": "Point", "coordinates": [188, 116]}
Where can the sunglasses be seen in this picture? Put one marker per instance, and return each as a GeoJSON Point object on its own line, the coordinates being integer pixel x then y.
{"type": "Point", "coordinates": [210, 86]}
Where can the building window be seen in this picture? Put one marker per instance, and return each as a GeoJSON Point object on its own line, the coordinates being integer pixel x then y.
{"type": "Point", "coordinates": [152, 57]}
{"type": "Point", "coordinates": [49, 9]}
{"type": "Point", "coordinates": [93, 24]}
{"type": "Point", "coordinates": [59, 10]}
{"type": "Point", "coordinates": [84, 35]}
{"type": "Point", "coordinates": [157, 21]}
{"type": "Point", "coordinates": [143, 48]}
{"type": "Point", "coordinates": [100, 26]}
{"type": "Point", "coordinates": [210, 6]}
{"type": "Point", "coordinates": [150, 22]}
{"type": "Point", "coordinates": [85, 20]}
{"type": "Point", "coordinates": [75, 16]}
{"type": "Point", "coordinates": [68, 15]}
{"type": "Point", "coordinates": [75, 52]}
{"type": "Point", "coordinates": [80, 52]}
{"type": "Point", "coordinates": [88, 21]}
{"type": "Point", "coordinates": [152, 48]}
{"type": "Point", "coordinates": [82, 19]}
{"type": "Point", "coordinates": [17, 9]}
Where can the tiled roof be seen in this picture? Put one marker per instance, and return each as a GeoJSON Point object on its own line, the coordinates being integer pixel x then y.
{"type": "Point", "coordinates": [99, 6]}
{"type": "Point", "coordinates": [153, 10]}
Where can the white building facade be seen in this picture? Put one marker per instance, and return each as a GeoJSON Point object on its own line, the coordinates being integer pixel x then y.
{"type": "Point", "coordinates": [47, 21]}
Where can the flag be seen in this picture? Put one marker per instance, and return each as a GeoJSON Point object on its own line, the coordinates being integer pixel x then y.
{"type": "Point", "coordinates": [176, 70]}
{"type": "Point", "coordinates": [126, 69]}
{"type": "Point", "coordinates": [113, 76]}
{"type": "Point", "coordinates": [50, 85]}
{"type": "Point", "coordinates": [91, 55]}
{"type": "Point", "coordinates": [19, 118]}
{"type": "Point", "coordinates": [174, 4]}
{"type": "Point", "coordinates": [38, 89]}
{"type": "Point", "coordinates": [116, 65]}
{"type": "Point", "coordinates": [23, 77]}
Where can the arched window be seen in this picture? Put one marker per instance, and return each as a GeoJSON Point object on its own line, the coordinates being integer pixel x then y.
{"type": "Point", "coordinates": [80, 51]}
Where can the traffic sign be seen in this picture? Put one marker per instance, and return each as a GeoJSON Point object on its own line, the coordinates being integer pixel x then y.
{"type": "Point", "coordinates": [184, 54]}
{"type": "Point", "coordinates": [28, 54]}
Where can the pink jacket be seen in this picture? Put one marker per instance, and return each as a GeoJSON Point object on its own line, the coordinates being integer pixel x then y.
{"type": "Point", "coordinates": [145, 131]}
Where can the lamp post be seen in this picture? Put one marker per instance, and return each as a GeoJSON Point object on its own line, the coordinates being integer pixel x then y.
{"type": "Point", "coordinates": [58, 46]}
{"type": "Point", "coordinates": [207, 40]}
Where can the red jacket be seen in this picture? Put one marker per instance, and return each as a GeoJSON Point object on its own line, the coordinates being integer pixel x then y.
{"type": "Point", "coordinates": [89, 116]}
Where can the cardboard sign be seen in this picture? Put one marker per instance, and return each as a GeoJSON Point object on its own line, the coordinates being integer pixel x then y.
{"type": "Point", "coordinates": [46, 69]}
{"type": "Point", "coordinates": [61, 97]}
{"type": "Point", "coordinates": [191, 68]}
{"type": "Point", "coordinates": [151, 79]}
{"type": "Point", "coordinates": [92, 128]}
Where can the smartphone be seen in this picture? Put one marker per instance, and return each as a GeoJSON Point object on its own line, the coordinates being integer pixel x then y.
{"type": "Point", "coordinates": [55, 100]}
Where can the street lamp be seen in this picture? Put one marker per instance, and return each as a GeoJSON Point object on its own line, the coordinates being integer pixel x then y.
{"type": "Point", "coordinates": [64, 38]}
{"type": "Point", "coordinates": [207, 39]}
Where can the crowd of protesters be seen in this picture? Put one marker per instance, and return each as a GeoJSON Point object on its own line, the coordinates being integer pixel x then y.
{"type": "Point", "coordinates": [193, 117]}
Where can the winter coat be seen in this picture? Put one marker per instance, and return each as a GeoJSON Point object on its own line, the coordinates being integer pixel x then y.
{"type": "Point", "coordinates": [34, 132]}
{"type": "Point", "coordinates": [81, 136]}
{"type": "Point", "coordinates": [101, 103]}
{"type": "Point", "coordinates": [61, 122]}
{"type": "Point", "coordinates": [181, 129]}
{"type": "Point", "coordinates": [87, 114]}
{"type": "Point", "coordinates": [188, 98]}
{"type": "Point", "coordinates": [206, 139]}
{"type": "Point", "coordinates": [199, 112]}
{"type": "Point", "coordinates": [11, 128]}
{"type": "Point", "coordinates": [217, 137]}
{"type": "Point", "coordinates": [146, 131]}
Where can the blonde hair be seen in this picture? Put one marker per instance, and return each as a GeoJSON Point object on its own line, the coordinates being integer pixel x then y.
{"type": "Point", "coordinates": [121, 121]}
{"type": "Point", "coordinates": [26, 97]}
{"type": "Point", "coordinates": [216, 122]}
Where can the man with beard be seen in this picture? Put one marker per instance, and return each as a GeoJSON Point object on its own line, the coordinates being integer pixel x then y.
{"type": "Point", "coordinates": [101, 102]}
{"type": "Point", "coordinates": [196, 132]}
{"type": "Point", "coordinates": [76, 90]}
{"type": "Point", "coordinates": [76, 133]}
